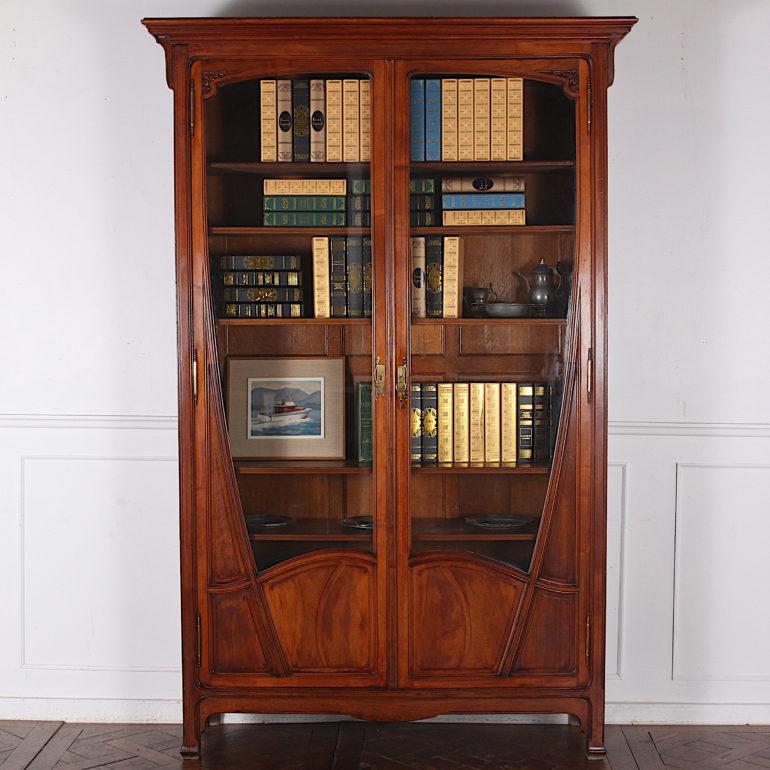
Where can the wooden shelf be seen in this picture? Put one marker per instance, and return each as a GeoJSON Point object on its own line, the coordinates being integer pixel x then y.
{"type": "Point", "coordinates": [287, 170]}
{"type": "Point", "coordinates": [271, 231]}
{"type": "Point", "coordinates": [307, 467]}
{"type": "Point", "coordinates": [488, 321]}
{"type": "Point", "coordinates": [312, 529]}
{"type": "Point", "coordinates": [480, 468]}
{"type": "Point", "coordinates": [481, 167]}
{"type": "Point", "coordinates": [458, 530]}
{"type": "Point", "coordinates": [491, 230]}
{"type": "Point", "coordinates": [294, 321]}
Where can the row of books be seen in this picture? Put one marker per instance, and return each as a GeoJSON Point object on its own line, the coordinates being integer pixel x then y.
{"type": "Point", "coordinates": [469, 200]}
{"type": "Point", "coordinates": [342, 276]}
{"type": "Point", "coordinates": [437, 276]}
{"type": "Point", "coordinates": [480, 422]}
{"type": "Point", "coordinates": [316, 203]}
{"type": "Point", "coordinates": [261, 286]}
{"type": "Point", "coordinates": [464, 119]}
{"type": "Point", "coordinates": [318, 120]}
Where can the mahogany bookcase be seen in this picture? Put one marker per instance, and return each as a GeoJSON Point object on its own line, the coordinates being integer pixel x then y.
{"type": "Point", "coordinates": [423, 614]}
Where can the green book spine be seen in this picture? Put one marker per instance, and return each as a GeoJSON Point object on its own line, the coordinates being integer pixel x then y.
{"type": "Point", "coordinates": [355, 270]}
{"type": "Point", "coordinates": [541, 438]}
{"type": "Point", "coordinates": [364, 422]}
{"type": "Point", "coordinates": [359, 203]}
{"type": "Point", "coordinates": [305, 219]}
{"type": "Point", "coordinates": [301, 109]}
{"type": "Point", "coordinates": [422, 202]}
{"type": "Point", "coordinates": [239, 262]}
{"type": "Point", "coordinates": [423, 219]}
{"type": "Point", "coordinates": [525, 409]}
{"type": "Point", "coordinates": [367, 272]}
{"type": "Point", "coordinates": [262, 278]}
{"type": "Point", "coordinates": [422, 185]}
{"type": "Point", "coordinates": [359, 219]}
{"type": "Point", "coordinates": [338, 277]}
{"type": "Point", "coordinates": [263, 310]}
{"type": "Point", "coordinates": [263, 294]}
{"type": "Point", "coordinates": [434, 281]}
{"type": "Point", "coordinates": [429, 422]}
{"type": "Point", "coordinates": [360, 186]}
{"type": "Point", "coordinates": [415, 404]}
{"type": "Point", "coordinates": [304, 203]}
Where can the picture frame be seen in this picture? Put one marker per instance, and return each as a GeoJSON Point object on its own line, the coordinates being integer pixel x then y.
{"type": "Point", "coordinates": [286, 408]}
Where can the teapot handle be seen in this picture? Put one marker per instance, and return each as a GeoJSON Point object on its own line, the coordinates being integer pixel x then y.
{"type": "Point", "coordinates": [492, 293]}
{"type": "Point", "coordinates": [558, 275]}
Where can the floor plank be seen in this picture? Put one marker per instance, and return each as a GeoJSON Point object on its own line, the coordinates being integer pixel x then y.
{"type": "Point", "coordinates": [31, 745]}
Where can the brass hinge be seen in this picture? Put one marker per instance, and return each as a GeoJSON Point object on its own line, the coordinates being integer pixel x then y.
{"type": "Point", "coordinates": [588, 638]}
{"type": "Point", "coordinates": [590, 375]}
{"type": "Point", "coordinates": [590, 104]}
{"type": "Point", "coordinates": [192, 108]}
{"type": "Point", "coordinates": [194, 367]}
{"type": "Point", "coordinates": [198, 638]}
{"type": "Point", "coordinates": [379, 378]}
{"type": "Point", "coordinates": [402, 381]}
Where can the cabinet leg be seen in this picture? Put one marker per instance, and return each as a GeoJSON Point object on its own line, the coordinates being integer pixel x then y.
{"type": "Point", "coordinates": [595, 737]}
{"type": "Point", "coordinates": [191, 737]}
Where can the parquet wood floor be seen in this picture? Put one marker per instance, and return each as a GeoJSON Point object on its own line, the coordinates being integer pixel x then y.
{"type": "Point", "coordinates": [375, 746]}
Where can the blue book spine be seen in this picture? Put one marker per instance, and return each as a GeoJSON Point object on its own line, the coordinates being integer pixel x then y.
{"type": "Point", "coordinates": [417, 118]}
{"type": "Point", "coordinates": [482, 201]}
{"type": "Point", "coordinates": [433, 119]}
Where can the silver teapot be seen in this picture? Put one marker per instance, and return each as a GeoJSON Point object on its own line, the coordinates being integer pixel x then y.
{"type": "Point", "coordinates": [541, 289]}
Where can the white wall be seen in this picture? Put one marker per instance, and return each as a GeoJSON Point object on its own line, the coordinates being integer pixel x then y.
{"type": "Point", "coordinates": [88, 562]}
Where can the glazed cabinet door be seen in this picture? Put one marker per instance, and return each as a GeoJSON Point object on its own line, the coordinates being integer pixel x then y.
{"type": "Point", "coordinates": [289, 242]}
{"type": "Point", "coordinates": [493, 307]}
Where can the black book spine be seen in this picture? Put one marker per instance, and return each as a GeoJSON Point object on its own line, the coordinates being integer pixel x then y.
{"type": "Point", "coordinates": [525, 409]}
{"type": "Point", "coordinates": [338, 277]}
{"type": "Point", "coordinates": [429, 422]}
{"type": "Point", "coordinates": [541, 438]}
{"type": "Point", "coordinates": [424, 202]}
{"type": "Point", "coordinates": [366, 254]}
{"type": "Point", "coordinates": [423, 219]}
{"type": "Point", "coordinates": [301, 109]}
{"type": "Point", "coordinates": [263, 294]}
{"type": "Point", "coordinates": [261, 278]}
{"type": "Point", "coordinates": [280, 262]}
{"type": "Point", "coordinates": [355, 269]}
{"type": "Point", "coordinates": [359, 203]}
{"type": "Point", "coordinates": [416, 422]}
{"type": "Point", "coordinates": [359, 218]}
{"type": "Point", "coordinates": [434, 279]}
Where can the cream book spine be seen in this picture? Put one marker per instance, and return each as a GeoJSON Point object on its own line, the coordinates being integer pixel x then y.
{"type": "Point", "coordinates": [351, 138]}
{"type": "Point", "coordinates": [305, 186]}
{"type": "Point", "coordinates": [334, 121]}
{"type": "Point", "coordinates": [317, 121]}
{"type": "Point", "coordinates": [460, 217]}
{"type": "Point", "coordinates": [492, 422]}
{"type": "Point", "coordinates": [445, 422]}
{"type": "Point", "coordinates": [481, 119]}
{"type": "Point", "coordinates": [321, 283]}
{"type": "Point", "coordinates": [476, 422]}
{"type": "Point", "coordinates": [268, 122]}
{"type": "Point", "coordinates": [508, 425]}
{"type": "Point", "coordinates": [418, 276]}
{"type": "Point", "coordinates": [453, 277]}
{"type": "Point", "coordinates": [365, 118]}
{"type": "Point", "coordinates": [449, 119]}
{"type": "Point", "coordinates": [515, 119]}
{"type": "Point", "coordinates": [497, 119]}
{"type": "Point", "coordinates": [465, 119]}
{"type": "Point", "coordinates": [285, 122]}
{"type": "Point", "coordinates": [461, 408]}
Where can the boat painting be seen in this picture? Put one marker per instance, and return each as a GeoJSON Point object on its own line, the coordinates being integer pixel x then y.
{"type": "Point", "coordinates": [286, 407]}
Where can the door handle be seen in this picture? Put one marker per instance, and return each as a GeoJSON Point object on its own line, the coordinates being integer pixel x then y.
{"type": "Point", "coordinates": [379, 378]}
{"type": "Point", "coordinates": [402, 383]}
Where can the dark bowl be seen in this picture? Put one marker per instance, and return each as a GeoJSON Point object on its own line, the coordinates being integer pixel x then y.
{"type": "Point", "coordinates": [508, 309]}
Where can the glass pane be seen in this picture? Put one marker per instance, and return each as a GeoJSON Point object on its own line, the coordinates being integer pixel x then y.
{"type": "Point", "coordinates": [288, 205]}
{"type": "Point", "coordinates": [492, 215]}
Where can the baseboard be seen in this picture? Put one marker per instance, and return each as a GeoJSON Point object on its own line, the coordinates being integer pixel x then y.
{"type": "Point", "coordinates": [92, 710]}
{"type": "Point", "coordinates": [688, 713]}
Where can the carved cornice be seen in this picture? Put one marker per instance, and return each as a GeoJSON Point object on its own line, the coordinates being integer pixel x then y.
{"type": "Point", "coordinates": [569, 78]}
{"type": "Point", "coordinates": [208, 82]}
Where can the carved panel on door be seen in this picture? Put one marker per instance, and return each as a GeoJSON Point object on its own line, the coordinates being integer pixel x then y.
{"type": "Point", "coordinates": [237, 648]}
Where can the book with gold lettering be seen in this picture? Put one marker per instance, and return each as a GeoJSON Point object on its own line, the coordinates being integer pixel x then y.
{"type": "Point", "coordinates": [525, 409]}
{"type": "Point", "coordinates": [503, 183]}
{"type": "Point", "coordinates": [260, 262]}
{"type": "Point", "coordinates": [321, 282]}
{"type": "Point", "coordinates": [418, 276]}
{"type": "Point", "coordinates": [465, 119]}
{"type": "Point", "coordinates": [497, 119]}
{"type": "Point", "coordinates": [305, 186]}
{"type": "Point", "coordinates": [452, 297]}
{"type": "Point", "coordinates": [301, 120]}
{"type": "Point", "coordinates": [285, 121]}
{"type": "Point", "coordinates": [449, 119]}
{"type": "Point", "coordinates": [541, 433]}
{"type": "Point", "coordinates": [434, 285]}
{"type": "Point", "coordinates": [461, 447]}
{"type": "Point", "coordinates": [467, 217]}
{"type": "Point", "coordinates": [268, 122]}
{"type": "Point", "coordinates": [508, 432]}
{"type": "Point", "coordinates": [365, 118]}
{"type": "Point", "coordinates": [334, 121]}
{"type": "Point", "coordinates": [445, 422]}
{"type": "Point", "coordinates": [481, 119]}
{"type": "Point", "coordinates": [317, 121]}
{"type": "Point", "coordinates": [492, 422]}
{"type": "Point", "coordinates": [429, 422]}
{"type": "Point", "coordinates": [351, 122]}
{"type": "Point", "coordinates": [476, 422]}
{"type": "Point", "coordinates": [415, 405]}
{"type": "Point", "coordinates": [515, 119]}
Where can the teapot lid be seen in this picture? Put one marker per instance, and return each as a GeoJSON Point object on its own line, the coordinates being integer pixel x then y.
{"type": "Point", "coordinates": [541, 267]}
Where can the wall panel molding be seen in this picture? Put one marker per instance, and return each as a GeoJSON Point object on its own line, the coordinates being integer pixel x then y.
{"type": "Point", "coordinates": [616, 673]}
{"type": "Point", "coordinates": [90, 421]}
{"type": "Point", "coordinates": [694, 429]}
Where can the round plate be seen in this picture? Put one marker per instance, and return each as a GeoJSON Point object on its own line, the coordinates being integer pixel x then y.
{"type": "Point", "coordinates": [267, 521]}
{"type": "Point", "coordinates": [507, 309]}
{"type": "Point", "coordinates": [513, 523]}
{"type": "Point", "coordinates": [359, 522]}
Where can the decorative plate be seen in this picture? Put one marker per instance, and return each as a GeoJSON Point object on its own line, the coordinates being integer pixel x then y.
{"type": "Point", "coordinates": [359, 522]}
{"type": "Point", "coordinates": [513, 523]}
{"type": "Point", "coordinates": [267, 521]}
